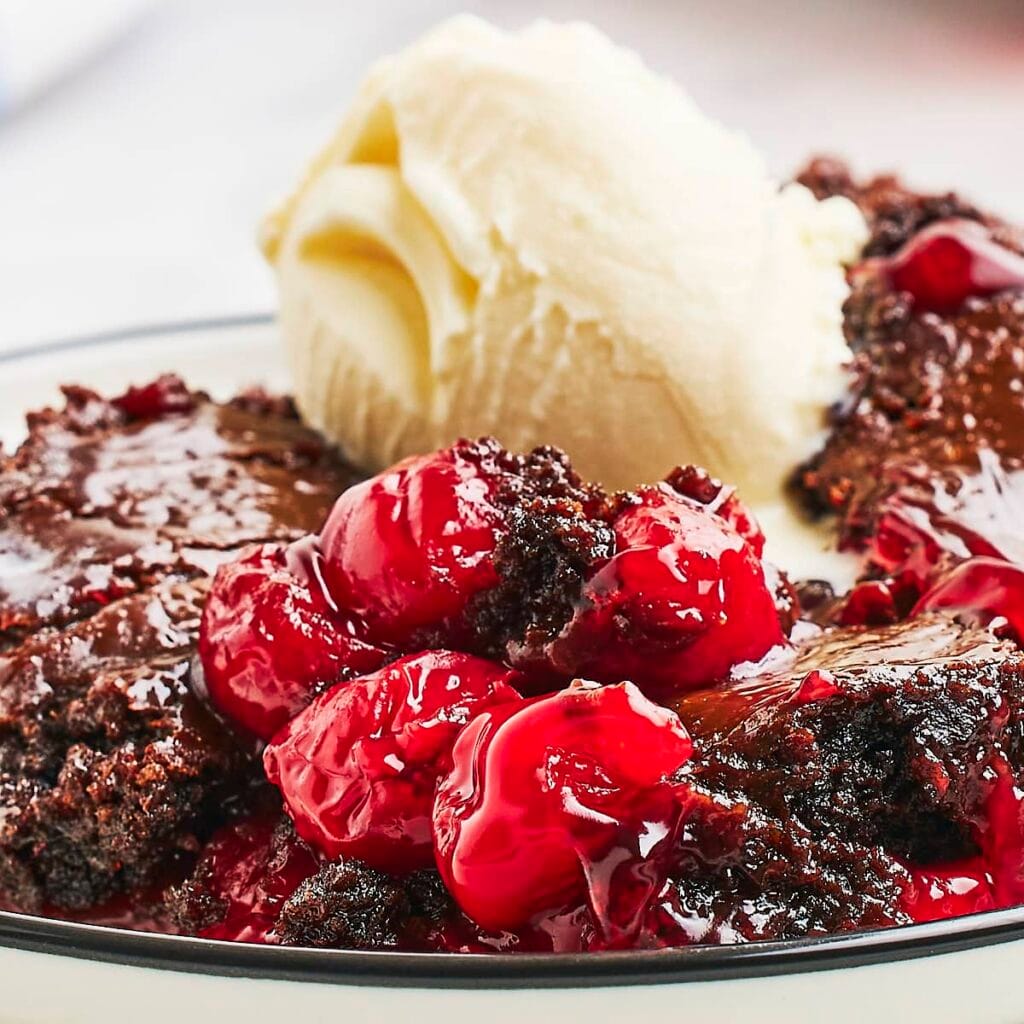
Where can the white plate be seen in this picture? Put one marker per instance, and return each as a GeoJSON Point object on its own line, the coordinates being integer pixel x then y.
{"type": "Point", "coordinates": [952, 971]}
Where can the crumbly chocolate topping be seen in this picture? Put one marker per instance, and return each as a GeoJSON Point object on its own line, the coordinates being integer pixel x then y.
{"type": "Point", "coordinates": [558, 530]}
{"type": "Point", "coordinates": [347, 905]}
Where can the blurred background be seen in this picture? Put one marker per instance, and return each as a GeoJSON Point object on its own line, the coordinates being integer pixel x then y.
{"type": "Point", "coordinates": [141, 140]}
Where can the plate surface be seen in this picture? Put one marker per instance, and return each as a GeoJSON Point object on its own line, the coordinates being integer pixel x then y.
{"type": "Point", "coordinates": [924, 972]}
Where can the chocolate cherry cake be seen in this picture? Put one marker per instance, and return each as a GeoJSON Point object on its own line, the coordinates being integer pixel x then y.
{"type": "Point", "coordinates": [478, 703]}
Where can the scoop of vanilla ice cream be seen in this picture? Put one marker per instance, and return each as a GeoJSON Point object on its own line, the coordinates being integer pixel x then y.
{"type": "Point", "coordinates": [532, 235]}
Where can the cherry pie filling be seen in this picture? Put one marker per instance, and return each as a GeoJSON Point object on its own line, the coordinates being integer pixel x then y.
{"type": "Point", "coordinates": [490, 706]}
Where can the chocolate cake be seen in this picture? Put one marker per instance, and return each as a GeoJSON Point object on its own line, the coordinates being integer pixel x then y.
{"type": "Point", "coordinates": [112, 771]}
{"type": "Point", "coordinates": [822, 781]}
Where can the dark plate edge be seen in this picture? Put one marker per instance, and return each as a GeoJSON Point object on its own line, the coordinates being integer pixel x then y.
{"type": "Point", "coordinates": [508, 971]}
{"type": "Point", "coordinates": [497, 971]}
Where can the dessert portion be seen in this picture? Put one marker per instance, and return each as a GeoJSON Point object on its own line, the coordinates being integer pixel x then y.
{"type": "Point", "coordinates": [487, 699]}
{"type": "Point", "coordinates": [478, 702]}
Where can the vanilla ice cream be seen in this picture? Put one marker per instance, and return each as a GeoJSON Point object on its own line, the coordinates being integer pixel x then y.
{"type": "Point", "coordinates": [534, 236]}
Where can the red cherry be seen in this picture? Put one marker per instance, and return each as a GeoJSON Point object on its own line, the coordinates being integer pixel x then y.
{"type": "Point", "coordinates": [559, 802]}
{"type": "Point", "coordinates": [721, 499]}
{"type": "Point", "coordinates": [871, 603]}
{"type": "Point", "coordinates": [162, 397]}
{"type": "Point", "coordinates": [252, 867]}
{"type": "Point", "coordinates": [817, 685]}
{"type": "Point", "coordinates": [982, 590]}
{"type": "Point", "coordinates": [271, 635]}
{"type": "Point", "coordinates": [950, 261]}
{"type": "Point", "coordinates": [929, 524]}
{"type": "Point", "coordinates": [949, 890]}
{"type": "Point", "coordinates": [905, 546]}
{"type": "Point", "coordinates": [407, 549]}
{"type": "Point", "coordinates": [358, 768]}
{"type": "Point", "coordinates": [682, 601]}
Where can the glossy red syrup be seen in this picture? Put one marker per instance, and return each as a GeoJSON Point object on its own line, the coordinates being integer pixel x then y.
{"type": "Point", "coordinates": [252, 873]}
{"type": "Point", "coordinates": [928, 528]}
{"type": "Point", "coordinates": [1001, 835]}
{"type": "Point", "coordinates": [982, 591]}
{"type": "Point", "coordinates": [949, 890]}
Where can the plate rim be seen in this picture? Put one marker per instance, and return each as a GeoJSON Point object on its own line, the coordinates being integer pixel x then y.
{"type": "Point", "coordinates": [150, 329]}
{"type": "Point", "coordinates": [185, 954]}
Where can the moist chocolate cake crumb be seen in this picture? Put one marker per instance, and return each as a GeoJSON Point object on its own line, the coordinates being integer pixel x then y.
{"type": "Point", "coordinates": [876, 737]}
{"type": "Point", "coordinates": [745, 875]}
{"type": "Point", "coordinates": [542, 562]}
{"type": "Point", "coordinates": [348, 905]}
{"type": "Point", "coordinates": [815, 787]}
{"type": "Point", "coordinates": [111, 771]}
{"type": "Point", "coordinates": [558, 529]}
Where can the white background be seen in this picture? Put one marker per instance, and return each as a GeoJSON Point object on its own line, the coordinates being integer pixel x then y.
{"type": "Point", "coordinates": [130, 192]}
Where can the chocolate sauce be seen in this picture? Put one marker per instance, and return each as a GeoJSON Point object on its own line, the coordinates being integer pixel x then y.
{"type": "Point", "coordinates": [98, 503]}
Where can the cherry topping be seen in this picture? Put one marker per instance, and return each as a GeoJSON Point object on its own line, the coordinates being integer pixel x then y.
{"type": "Point", "coordinates": [682, 601]}
{"type": "Point", "coordinates": [931, 523]}
{"type": "Point", "coordinates": [271, 636]}
{"type": "Point", "coordinates": [699, 485]}
{"type": "Point", "coordinates": [246, 872]}
{"type": "Point", "coordinates": [981, 590]}
{"type": "Point", "coordinates": [407, 549]}
{"type": "Point", "coordinates": [358, 768]}
{"type": "Point", "coordinates": [560, 802]}
{"type": "Point", "coordinates": [949, 890]}
{"type": "Point", "coordinates": [1001, 834]}
{"type": "Point", "coordinates": [871, 603]}
{"type": "Point", "coordinates": [161, 397]}
{"type": "Point", "coordinates": [951, 261]}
